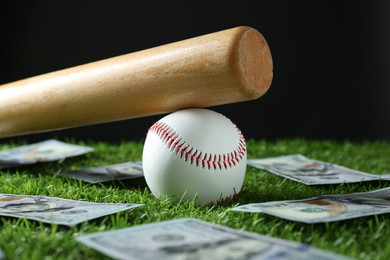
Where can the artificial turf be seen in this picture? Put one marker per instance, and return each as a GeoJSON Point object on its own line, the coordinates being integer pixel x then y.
{"type": "Point", "coordinates": [360, 238]}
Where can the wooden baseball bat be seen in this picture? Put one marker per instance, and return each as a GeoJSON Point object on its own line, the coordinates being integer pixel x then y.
{"type": "Point", "coordinates": [223, 67]}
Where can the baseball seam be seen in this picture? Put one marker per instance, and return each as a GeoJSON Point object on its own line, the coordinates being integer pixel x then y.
{"type": "Point", "coordinates": [181, 148]}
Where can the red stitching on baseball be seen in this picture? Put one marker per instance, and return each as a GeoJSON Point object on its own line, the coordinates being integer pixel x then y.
{"type": "Point", "coordinates": [210, 161]}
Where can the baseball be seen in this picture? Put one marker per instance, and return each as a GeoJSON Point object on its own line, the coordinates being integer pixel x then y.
{"type": "Point", "coordinates": [194, 155]}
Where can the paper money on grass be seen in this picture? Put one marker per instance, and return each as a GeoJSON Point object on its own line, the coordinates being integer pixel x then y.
{"type": "Point", "coordinates": [325, 208]}
{"type": "Point", "coordinates": [120, 171]}
{"type": "Point", "coordinates": [57, 210]}
{"type": "Point", "coordinates": [49, 150]}
{"type": "Point", "coordinates": [189, 238]}
{"type": "Point", "coordinates": [299, 168]}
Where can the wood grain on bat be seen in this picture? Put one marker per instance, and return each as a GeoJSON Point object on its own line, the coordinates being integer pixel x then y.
{"type": "Point", "coordinates": [224, 67]}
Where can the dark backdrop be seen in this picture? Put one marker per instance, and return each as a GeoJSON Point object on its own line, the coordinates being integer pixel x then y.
{"type": "Point", "coordinates": [331, 58]}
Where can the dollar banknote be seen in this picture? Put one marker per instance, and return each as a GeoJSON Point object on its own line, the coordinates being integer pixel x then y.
{"type": "Point", "coordinates": [57, 210]}
{"type": "Point", "coordinates": [325, 208]}
{"type": "Point", "coordinates": [302, 169]}
{"type": "Point", "coordinates": [45, 151]}
{"type": "Point", "coordinates": [119, 171]}
{"type": "Point", "coordinates": [189, 238]}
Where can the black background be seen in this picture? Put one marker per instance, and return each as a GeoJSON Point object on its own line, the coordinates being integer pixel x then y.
{"type": "Point", "coordinates": [331, 58]}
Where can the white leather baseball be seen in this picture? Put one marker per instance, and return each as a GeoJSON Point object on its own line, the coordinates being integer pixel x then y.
{"type": "Point", "coordinates": [194, 154]}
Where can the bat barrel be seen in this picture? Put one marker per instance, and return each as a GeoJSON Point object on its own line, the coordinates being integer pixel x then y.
{"type": "Point", "coordinates": [224, 67]}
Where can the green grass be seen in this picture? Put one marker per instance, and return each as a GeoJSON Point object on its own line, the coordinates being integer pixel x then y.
{"type": "Point", "coordinates": [361, 238]}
